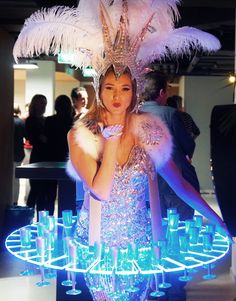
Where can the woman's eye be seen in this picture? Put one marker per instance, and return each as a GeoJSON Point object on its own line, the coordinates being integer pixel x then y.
{"type": "Point", "coordinates": [126, 89]}
{"type": "Point", "coordinates": [108, 88]}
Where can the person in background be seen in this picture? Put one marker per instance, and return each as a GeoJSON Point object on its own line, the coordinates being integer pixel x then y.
{"type": "Point", "coordinates": [27, 149]}
{"type": "Point", "coordinates": [155, 95]}
{"type": "Point", "coordinates": [56, 129]}
{"type": "Point", "coordinates": [79, 98]}
{"type": "Point", "coordinates": [19, 154]}
{"type": "Point", "coordinates": [34, 126]}
{"type": "Point", "coordinates": [176, 101]}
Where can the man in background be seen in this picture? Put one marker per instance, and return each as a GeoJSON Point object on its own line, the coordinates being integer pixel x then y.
{"type": "Point", "coordinates": [79, 98]}
{"type": "Point", "coordinates": [155, 96]}
{"type": "Point", "coordinates": [176, 101]}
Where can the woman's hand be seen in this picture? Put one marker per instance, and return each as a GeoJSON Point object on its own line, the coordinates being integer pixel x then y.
{"type": "Point", "coordinates": [112, 131]}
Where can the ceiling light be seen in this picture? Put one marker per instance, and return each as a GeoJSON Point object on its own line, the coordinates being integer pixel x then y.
{"type": "Point", "coordinates": [26, 66]}
{"type": "Point", "coordinates": [232, 79]}
{"type": "Point", "coordinates": [89, 72]}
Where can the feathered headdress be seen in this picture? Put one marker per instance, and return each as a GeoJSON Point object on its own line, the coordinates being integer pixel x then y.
{"type": "Point", "coordinates": [122, 33]}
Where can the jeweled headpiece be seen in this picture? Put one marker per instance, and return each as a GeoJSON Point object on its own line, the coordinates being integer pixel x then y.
{"type": "Point", "coordinates": [121, 33]}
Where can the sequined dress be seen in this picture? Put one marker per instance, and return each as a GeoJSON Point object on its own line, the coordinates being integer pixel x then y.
{"type": "Point", "coordinates": [125, 218]}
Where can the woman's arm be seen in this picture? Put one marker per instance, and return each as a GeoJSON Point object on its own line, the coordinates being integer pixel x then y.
{"type": "Point", "coordinates": [154, 199]}
{"type": "Point", "coordinates": [98, 177]}
{"type": "Point", "coordinates": [187, 193]}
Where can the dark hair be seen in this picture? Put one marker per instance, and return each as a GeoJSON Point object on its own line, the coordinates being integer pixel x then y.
{"type": "Point", "coordinates": [63, 105]}
{"type": "Point", "coordinates": [37, 99]}
{"type": "Point", "coordinates": [16, 110]}
{"type": "Point", "coordinates": [75, 92]}
{"type": "Point", "coordinates": [174, 101]}
{"type": "Point", "coordinates": [154, 82]}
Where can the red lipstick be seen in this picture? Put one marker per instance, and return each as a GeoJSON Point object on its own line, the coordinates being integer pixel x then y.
{"type": "Point", "coordinates": [116, 104]}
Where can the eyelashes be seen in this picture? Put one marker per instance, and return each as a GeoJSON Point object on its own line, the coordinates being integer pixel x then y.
{"type": "Point", "coordinates": [110, 88]}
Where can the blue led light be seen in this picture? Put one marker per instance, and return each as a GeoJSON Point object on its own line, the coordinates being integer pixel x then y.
{"type": "Point", "coordinates": [187, 246]}
{"type": "Point", "coordinates": [143, 262]}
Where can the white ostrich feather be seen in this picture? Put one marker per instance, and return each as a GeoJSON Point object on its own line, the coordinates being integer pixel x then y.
{"type": "Point", "coordinates": [182, 38]}
{"type": "Point", "coordinates": [60, 29]}
{"type": "Point", "coordinates": [177, 42]}
{"type": "Point", "coordinates": [79, 31]}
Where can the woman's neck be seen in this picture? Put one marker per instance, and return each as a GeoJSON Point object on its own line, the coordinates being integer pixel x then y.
{"type": "Point", "coordinates": [116, 119]}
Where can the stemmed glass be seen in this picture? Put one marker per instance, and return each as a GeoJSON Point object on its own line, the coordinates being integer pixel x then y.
{"type": "Point", "coordinates": [42, 216]}
{"type": "Point", "coordinates": [115, 285]}
{"type": "Point", "coordinates": [67, 227]}
{"type": "Point", "coordinates": [184, 242]}
{"type": "Point", "coordinates": [155, 266]}
{"type": "Point", "coordinates": [96, 287]}
{"type": "Point", "coordinates": [40, 229]}
{"type": "Point", "coordinates": [98, 250]}
{"type": "Point", "coordinates": [185, 277]}
{"type": "Point", "coordinates": [211, 229]}
{"type": "Point", "coordinates": [131, 256]}
{"type": "Point", "coordinates": [173, 236]}
{"type": "Point", "coordinates": [68, 281]}
{"type": "Point", "coordinates": [162, 244]}
{"type": "Point", "coordinates": [51, 224]}
{"type": "Point", "coordinates": [25, 238]}
{"type": "Point", "coordinates": [157, 292]}
{"type": "Point", "coordinates": [40, 245]}
{"type": "Point", "coordinates": [132, 288]}
{"type": "Point", "coordinates": [50, 244]}
{"type": "Point", "coordinates": [193, 235]}
{"type": "Point", "coordinates": [207, 241]}
{"type": "Point", "coordinates": [163, 283]}
{"type": "Point", "coordinates": [73, 261]}
{"type": "Point", "coordinates": [184, 246]}
{"type": "Point", "coordinates": [189, 223]}
{"type": "Point", "coordinates": [209, 275]}
{"type": "Point", "coordinates": [67, 219]}
{"type": "Point", "coordinates": [169, 212]}
{"type": "Point", "coordinates": [198, 219]}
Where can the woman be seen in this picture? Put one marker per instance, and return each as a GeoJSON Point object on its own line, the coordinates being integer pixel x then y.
{"type": "Point", "coordinates": [34, 126]}
{"type": "Point", "coordinates": [129, 146]}
{"type": "Point", "coordinates": [56, 129]}
{"type": "Point", "coordinates": [113, 150]}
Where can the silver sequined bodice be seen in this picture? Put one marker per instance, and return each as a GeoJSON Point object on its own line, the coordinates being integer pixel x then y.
{"type": "Point", "coordinates": [125, 217]}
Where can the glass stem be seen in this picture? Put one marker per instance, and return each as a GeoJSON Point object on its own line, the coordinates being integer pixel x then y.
{"type": "Point", "coordinates": [209, 269]}
{"type": "Point", "coordinates": [163, 276]}
{"type": "Point", "coordinates": [73, 280]}
{"type": "Point", "coordinates": [42, 272]}
{"type": "Point", "coordinates": [156, 282]}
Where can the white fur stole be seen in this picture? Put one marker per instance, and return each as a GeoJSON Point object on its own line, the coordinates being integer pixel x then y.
{"type": "Point", "coordinates": [90, 143]}
{"type": "Point", "coordinates": [150, 130]}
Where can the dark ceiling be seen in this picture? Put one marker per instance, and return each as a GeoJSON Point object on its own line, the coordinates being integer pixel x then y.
{"type": "Point", "coordinates": [214, 16]}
